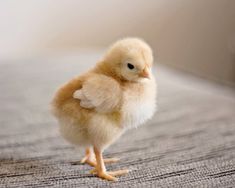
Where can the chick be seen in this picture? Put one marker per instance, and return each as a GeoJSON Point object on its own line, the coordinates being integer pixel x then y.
{"type": "Point", "coordinates": [97, 107]}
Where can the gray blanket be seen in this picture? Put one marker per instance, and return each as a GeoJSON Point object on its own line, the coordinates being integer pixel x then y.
{"type": "Point", "coordinates": [190, 142]}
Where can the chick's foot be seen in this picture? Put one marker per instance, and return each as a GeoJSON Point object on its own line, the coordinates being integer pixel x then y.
{"type": "Point", "coordinates": [91, 160]}
{"type": "Point", "coordinates": [111, 160]}
{"type": "Point", "coordinates": [88, 161]}
{"type": "Point", "coordinates": [109, 175]}
{"type": "Point", "coordinates": [100, 169]}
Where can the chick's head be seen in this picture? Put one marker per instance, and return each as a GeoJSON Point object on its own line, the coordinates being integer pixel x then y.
{"type": "Point", "coordinates": [130, 59]}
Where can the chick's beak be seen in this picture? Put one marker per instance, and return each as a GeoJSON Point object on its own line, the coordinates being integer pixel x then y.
{"type": "Point", "coordinates": [145, 73]}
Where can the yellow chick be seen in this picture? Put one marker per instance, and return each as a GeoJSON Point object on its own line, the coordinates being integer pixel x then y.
{"type": "Point", "coordinates": [95, 108]}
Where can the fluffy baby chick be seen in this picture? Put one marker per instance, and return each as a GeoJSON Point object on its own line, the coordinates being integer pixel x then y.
{"type": "Point", "coordinates": [95, 108]}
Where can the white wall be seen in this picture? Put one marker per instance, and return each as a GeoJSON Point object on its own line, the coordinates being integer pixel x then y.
{"type": "Point", "coordinates": [194, 35]}
{"type": "Point", "coordinates": [30, 26]}
{"type": "Point", "coordinates": [199, 36]}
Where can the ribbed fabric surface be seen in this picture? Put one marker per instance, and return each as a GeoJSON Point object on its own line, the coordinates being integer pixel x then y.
{"type": "Point", "coordinates": [190, 142]}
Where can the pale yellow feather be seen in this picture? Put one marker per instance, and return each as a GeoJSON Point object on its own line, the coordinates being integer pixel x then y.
{"type": "Point", "coordinates": [94, 109]}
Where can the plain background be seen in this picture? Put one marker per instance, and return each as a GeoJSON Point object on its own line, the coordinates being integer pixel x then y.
{"type": "Point", "coordinates": [194, 35]}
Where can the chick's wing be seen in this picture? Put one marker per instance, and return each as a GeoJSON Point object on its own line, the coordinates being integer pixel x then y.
{"type": "Point", "coordinates": [100, 92]}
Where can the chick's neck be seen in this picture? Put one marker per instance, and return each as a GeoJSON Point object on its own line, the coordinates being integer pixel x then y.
{"type": "Point", "coordinates": [107, 70]}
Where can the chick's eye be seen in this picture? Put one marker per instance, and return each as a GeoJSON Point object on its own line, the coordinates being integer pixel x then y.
{"type": "Point", "coordinates": [130, 66]}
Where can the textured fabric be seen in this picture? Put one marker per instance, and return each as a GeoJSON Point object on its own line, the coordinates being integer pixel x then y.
{"type": "Point", "coordinates": [190, 142]}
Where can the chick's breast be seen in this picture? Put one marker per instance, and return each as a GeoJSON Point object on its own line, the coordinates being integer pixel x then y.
{"type": "Point", "coordinates": [139, 103]}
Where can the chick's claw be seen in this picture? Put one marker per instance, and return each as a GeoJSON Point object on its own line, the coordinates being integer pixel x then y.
{"type": "Point", "coordinates": [110, 175]}
{"type": "Point", "coordinates": [119, 172]}
{"type": "Point", "coordinates": [89, 162]}
{"type": "Point", "coordinates": [84, 159]}
{"type": "Point", "coordinates": [111, 160]}
{"type": "Point", "coordinates": [106, 176]}
{"type": "Point", "coordinates": [89, 158]}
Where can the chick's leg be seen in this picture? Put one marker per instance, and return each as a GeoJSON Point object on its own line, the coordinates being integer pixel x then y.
{"type": "Point", "coordinates": [89, 157]}
{"type": "Point", "coordinates": [91, 160]}
{"type": "Point", "coordinates": [101, 170]}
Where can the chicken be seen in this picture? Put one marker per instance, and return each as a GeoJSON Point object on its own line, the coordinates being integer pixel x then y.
{"type": "Point", "coordinates": [97, 107]}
